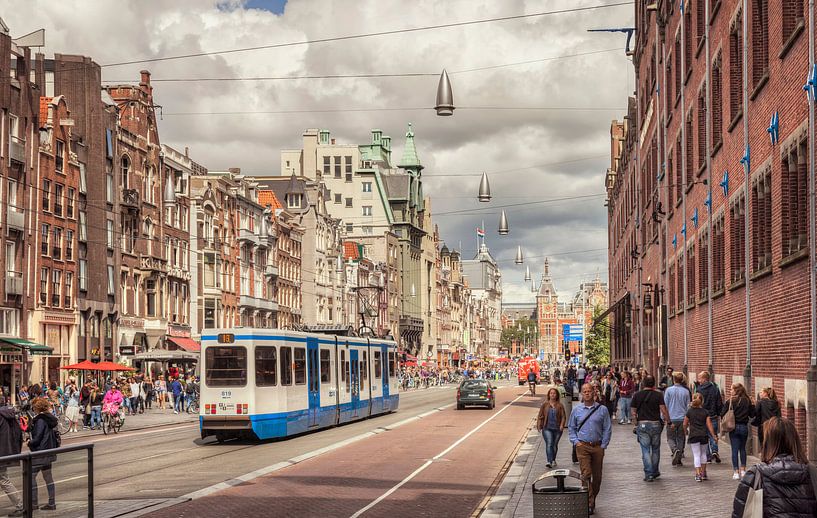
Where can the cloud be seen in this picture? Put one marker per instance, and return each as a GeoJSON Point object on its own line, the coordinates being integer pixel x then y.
{"type": "Point", "coordinates": [587, 91]}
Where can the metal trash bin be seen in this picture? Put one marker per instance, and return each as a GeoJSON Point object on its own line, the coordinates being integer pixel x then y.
{"type": "Point", "coordinates": [560, 501]}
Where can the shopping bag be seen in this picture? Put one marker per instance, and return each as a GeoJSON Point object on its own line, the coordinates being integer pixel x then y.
{"type": "Point", "coordinates": [754, 500]}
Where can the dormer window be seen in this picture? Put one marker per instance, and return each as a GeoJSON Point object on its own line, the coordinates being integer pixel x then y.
{"type": "Point", "coordinates": [295, 201]}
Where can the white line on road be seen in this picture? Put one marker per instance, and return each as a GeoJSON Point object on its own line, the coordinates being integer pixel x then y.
{"type": "Point", "coordinates": [436, 457]}
{"type": "Point", "coordinates": [152, 430]}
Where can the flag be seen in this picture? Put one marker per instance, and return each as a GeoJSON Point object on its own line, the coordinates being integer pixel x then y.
{"type": "Point", "coordinates": [480, 232]}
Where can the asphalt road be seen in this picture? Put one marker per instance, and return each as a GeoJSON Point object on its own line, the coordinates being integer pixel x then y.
{"type": "Point", "coordinates": [172, 461]}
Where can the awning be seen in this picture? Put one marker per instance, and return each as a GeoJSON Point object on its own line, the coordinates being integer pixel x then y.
{"type": "Point", "coordinates": [603, 316]}
{"type": "Point", "coordinates": [31, 347]}
{"type": "Point", "coordinates": [186, 343]}
{"type": "Point", "coordinates": [161, 355]}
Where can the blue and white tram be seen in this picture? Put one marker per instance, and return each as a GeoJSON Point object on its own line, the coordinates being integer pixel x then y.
{"type": "Point", "coordinates": [267, 383]}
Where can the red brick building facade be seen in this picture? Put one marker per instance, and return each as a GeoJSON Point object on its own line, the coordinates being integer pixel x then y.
{"type": "Point", "coordinates": [708, 198]}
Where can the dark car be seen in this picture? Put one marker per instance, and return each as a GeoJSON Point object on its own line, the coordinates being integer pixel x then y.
{"type": "Point", "coordinates": [475, 392]}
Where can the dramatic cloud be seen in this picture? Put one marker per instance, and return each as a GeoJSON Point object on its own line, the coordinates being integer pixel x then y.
{"type": "Point", "coordinates": [557, 148]}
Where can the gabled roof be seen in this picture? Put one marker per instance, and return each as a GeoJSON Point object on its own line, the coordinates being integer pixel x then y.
{"type": "Point", "coordinates": [351, 250]}
{"type": "Point", "coordinates": [410, 158]}
{"type": "Point", "coordinates": [397, 186]}
{"type": "Point", "coordinates": [267, 198]}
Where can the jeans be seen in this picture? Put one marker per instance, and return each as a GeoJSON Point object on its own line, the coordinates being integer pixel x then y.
{"type": "Point", "coordinates": [9, 489]}
{"type": "Point", "coordinates": [624, 404]}
{"type": "Point", "coordinates": [737, 439]}
{"type": "Point", "coordinates": [96, 416]}
{"type": "Point", "coordinates": [649, 438]}
{"type": "Point", "coordinates": [676, 436]}
{"type": "Point", "coordinates": [713, 445]}
{"type": "Point", "coordinates": [551, 443]}
{"type": "Point", "coordinates": [48, 476]}
{"type": "Point", "coordinates": [177, 403]}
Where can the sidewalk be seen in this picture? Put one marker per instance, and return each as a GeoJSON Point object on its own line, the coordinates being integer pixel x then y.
{"type": "Point", "coordinates": [623, 491]}
{"type": "Point", "coordinates": [150, 419]}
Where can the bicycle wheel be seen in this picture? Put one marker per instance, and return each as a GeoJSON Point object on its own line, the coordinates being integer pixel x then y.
{"type": "Point", "coordinates": [118, 422]}
{"type": "Point", "coordinates": [194, 407]}
{"type": "Point", "coordinates": [63, 424]}
{"type": "Point", "coordinates": [106, 423]}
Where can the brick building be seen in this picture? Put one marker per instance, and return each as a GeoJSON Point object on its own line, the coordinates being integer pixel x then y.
{"type": "Point", "coordinates": [708, 199]}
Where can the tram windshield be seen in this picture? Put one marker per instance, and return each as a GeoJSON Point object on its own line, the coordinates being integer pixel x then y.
{"type": "Point", "coordinates": [225, 367]}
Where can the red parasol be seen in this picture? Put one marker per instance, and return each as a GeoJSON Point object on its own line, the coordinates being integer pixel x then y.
{"type": "Point", "coordinates": [111, 366]}
{"type": "Point", "coordinates": [502, 360]}
{"type": "Point", "coordinates": [85, 365]}
{"type": "Point", "coordinates": [410, 364]}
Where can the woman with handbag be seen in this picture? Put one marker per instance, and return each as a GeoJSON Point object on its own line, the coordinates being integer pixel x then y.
{"type": "Point", "coordinates": [736, 415]}
{"type": "Point", "coordinates": [767, 407]}
{"type": "Point", "coordinates": [782, 485]}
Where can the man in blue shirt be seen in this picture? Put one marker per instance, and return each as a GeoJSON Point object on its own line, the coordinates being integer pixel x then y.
{"type": "Point", "coordinates": [676, 399]}
{"type": "Point", "coordinates": [589, 429]}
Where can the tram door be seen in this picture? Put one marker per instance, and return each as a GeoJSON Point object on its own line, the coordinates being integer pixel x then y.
{"type": "Point", "coordinates": [386, 374]}
{"type": "Point", "coordinates": [313, 380]}
{"type": "Point", "coordinates": [355, 378]}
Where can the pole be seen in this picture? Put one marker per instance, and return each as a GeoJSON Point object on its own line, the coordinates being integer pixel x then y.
{"type": "Point", "coordinates": [709, 334]}
{"type": "Point", "coordinates": [684, 159]}
{"type": "Point", "coordinates": [811, 377]}
{"type": "Point", "coordinates": [747, 372]}
{"type": "Point", "coordinates": [666, 176]}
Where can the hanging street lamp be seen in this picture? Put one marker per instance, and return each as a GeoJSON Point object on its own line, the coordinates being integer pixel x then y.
{"type": "Point", "coordinates": [504, 228]}
{"type": "Point", "coordinates": [484, 189]}
{"type": "Point", "coordinates": [445, 98]}
{"type": "Point", "coordinates": [519, 259]}
{"type": "Point", "coordinates": [413, 290]}
{"type": "Point", "coordinates": [527, 274]}
{"type": "Point", "coordinates": [170, 191]}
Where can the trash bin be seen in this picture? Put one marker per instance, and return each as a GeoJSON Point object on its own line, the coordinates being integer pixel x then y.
{"type": "Point", "coordinates": [567, 402]}
{"type": "Point", "coordinates": [560, 501]}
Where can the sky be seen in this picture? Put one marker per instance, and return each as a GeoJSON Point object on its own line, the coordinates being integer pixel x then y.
{"type": "Point", "coordinates": [539, 128]}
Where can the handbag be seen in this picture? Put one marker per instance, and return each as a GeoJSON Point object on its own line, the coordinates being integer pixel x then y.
{"type": "Point", "coordinates": [728, 420]}
{"type": "Point", "coordinates": [754, 499]}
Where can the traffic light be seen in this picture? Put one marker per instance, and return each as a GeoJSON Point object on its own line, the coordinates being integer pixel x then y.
{"type": "Point", "coordinates": [567, 352]}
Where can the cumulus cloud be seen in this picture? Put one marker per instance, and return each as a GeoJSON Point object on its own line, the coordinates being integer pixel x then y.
{"type": "Point", "coordinates": [583, 94]}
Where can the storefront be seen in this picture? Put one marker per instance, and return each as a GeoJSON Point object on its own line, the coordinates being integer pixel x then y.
{"type": "Point", "coordinates": [16, 358]}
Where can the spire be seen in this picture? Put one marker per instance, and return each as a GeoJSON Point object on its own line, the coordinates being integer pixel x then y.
{"type": "Point", "coordinates": [547, 268]}
{"type": "Point", "coordinates": [546, 288]}
{"type": "Point", "coordinates": [410, 159]}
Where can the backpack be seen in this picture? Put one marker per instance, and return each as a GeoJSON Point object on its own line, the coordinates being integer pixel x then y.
{"type": "Point", "coordinates": [57, 436]}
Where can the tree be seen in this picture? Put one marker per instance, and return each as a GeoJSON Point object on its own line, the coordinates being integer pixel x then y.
{"type": "Point", "coordinates": [523, 331]}
{"type": "Point", "coordinates": [597, 349]}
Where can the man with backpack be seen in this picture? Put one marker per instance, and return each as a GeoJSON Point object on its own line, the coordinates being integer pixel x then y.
{"type": "Point", "coordinates": [11, 442]}
{"type": "Point", "coordinates": [713, 404]}
{"type": "Point", "coordinates": [590, 429]}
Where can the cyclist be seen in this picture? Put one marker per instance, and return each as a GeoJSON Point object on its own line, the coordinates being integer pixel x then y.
{"type": "Point", "coordinates": [191, 392]}
{"type": "Point", "coordinates": [113, 399]}
{"type": "Point", "coordinates": [532, 382]}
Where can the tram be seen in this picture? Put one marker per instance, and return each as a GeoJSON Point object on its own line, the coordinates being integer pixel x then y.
{"type": "Point", "coordinates": [270, 383]}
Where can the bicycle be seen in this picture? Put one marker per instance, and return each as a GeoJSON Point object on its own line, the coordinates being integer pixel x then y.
{"type": "Point", "coordinates": [112, 422]}
{"type": "Point", "coordinates": [193, 405]}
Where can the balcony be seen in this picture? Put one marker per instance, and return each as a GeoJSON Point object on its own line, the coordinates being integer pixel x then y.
{"type": "Point", "coordinates": [271, 270]}
{"type": "Point", "coordinates": [130, 198]}
{"type": "Point", "coordinates": [17, 150]}
{"type": "Point", "coordinates": [257, 303]}
{"type": "Point", "coordinates": [247, 236]}
{"type": "Point", "coordinates": [14, 283]}
{"type": "Point", "coordinates": [15, 218]}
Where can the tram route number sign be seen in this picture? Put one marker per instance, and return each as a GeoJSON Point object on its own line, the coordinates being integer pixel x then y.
{"type": "Point", "coordinates": [226, 394]}
{"type": "Point", "coordinates": [226, 338]}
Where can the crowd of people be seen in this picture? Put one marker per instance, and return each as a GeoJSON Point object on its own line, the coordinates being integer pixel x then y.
{"type": "Point", "coordinates": [415, 377]}
{"type": "Point", "coordinates": [695, 414]}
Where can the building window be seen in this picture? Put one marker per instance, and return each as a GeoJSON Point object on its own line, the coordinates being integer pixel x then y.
{"type": "Point", "coordinates": [794, 199]}
{"type": "Point", "coordinates": [45, 238]}
{"type": "Point", "coordinates": [56, 248]}
{"type": "Point", "coordinates": [327, 167]}
{"type": "Point", "coordinates": [111, 281]}
{"type": "Point", "coordinates": [109, 185]}
{"type": "Point", "coordinates": [69, 245]}
{"type": "Point", "coordinates": [150, 296]}
{"type": "Point", "coordinates": [349, 202]}
{"type": "Point", "coordinates": [56, 283]}
{"type": "Point", "coordinates": [690, 149]}
{"type": "Point", "coordinates": [687, 42]}
{"type": "Point", "coordinates": [59, 156]}
{"type": "Point", "coordinates": [736, 69]}
{"type": "Point", "coordinates": [83, 179]}
{"type": "Point", "coordinates": [679, 171]}
{"type": "Point", "coordinates": [43, 285]}
{"type": "Point", "coordinates": [83, 275]}
{"type": "Point", "coordinates": [338, 198]}
{"type": "Point", "coordinates": [737, 239]}
{"type": "Point", "coordinates": [717, 103]}
{"type": "Point", "coordinates": [680, 271]}
{"type": "Point", "coordinates": [367, 229]}
{"type": "Point", "coordinates": [718, 256]}
{"type": "Point", "coordinates": [702, 128]}
{"type": "Point", "coordinates": [337, 167]}
{"type": "Point", "coordinates": [760, 40]}
{"type": "Point", "coordinates": [668, 81]}
{"type": "Point", "coordinates": [58, 191]}
{"type": "Point", "coordinates": [209, 313]}
{"type": "Point", "coordinates": [46, 196]}
{"type": "Point", "coordinates": [367, 186]}
{"type": "Point", "coordinates": [349, 228]}
{"type": "Point", "coordinates": [69, 203]}
{"type": "Point", "coordinates": [367, 210]}
{"type": "Point", "coordinates": [294, 201]}
{"type": "Point", "coordinates": [700, 23]}
{"type": "Point", "coordinates": [347, 164]}
{"type": "Point", "coordinates": [124, 168]}
{"type": "Point", "coordinates": [793, 17]}
{"type": "Point", "coordinates": [690, 275]}
{"type": "Point", "coordinates": [83, 227]}
{"type": "Point", "coordinates": [69, 284]}
{"type": "Point", "coordinates": [703, 264]}
{"type": "Point", "coordinates": [762, 221]}
{"type": "Point", "coordinates": [109, 234]}
{"type": "Point", "coordinates": [679, 66]}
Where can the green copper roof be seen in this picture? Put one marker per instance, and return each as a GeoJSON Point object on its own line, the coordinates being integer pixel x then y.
{"type": "Point", "coordinates": [410, 159]}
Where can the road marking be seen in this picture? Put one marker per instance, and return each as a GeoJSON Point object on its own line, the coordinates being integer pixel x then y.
{"type": "Point", "coordinates": [436, 457]}
{"type": "Point", "coordinates": [151, 430]}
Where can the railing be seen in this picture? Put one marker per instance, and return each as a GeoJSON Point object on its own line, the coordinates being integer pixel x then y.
{"type": "Point", "coordinates": [130, 197]}
{"type": "Point", "coordinates": [14, 283]}
{"type": "Point", "coordinates": [76, 492]}
{"type": "Point", "coordinates": [271, 270]}
{"type": "Point", "coordinates": [15, 218]}
{"type": "Point", "coordinates": [17, 149]}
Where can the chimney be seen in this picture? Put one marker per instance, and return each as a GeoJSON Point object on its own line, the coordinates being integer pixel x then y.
{"type": "Point", "coordinates": [144, 83]}
{"type": "Point", "coordinates": [235, 170]}
{"type": "Point", "coordinates": [186, 152]}
{"type": "Point", "coordinates": [333, 142]}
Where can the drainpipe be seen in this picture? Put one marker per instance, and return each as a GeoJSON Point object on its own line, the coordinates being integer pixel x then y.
{"type": "Point", "coordinates": [668, 180]}
{"type": "Point", "coordinates": [709, 334]}
{"type": "Point", "coordinates": [659, 122]}
{"type": "Point", "coordinates": [684, 159]}
{"type": "Point", "coordinates": [638, 221]}
{"type": "Point", "coordinates": [747, 371]}
{"type": "Point", "coordinates": [811, 376]}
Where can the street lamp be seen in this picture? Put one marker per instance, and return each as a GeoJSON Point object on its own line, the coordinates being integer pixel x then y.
{"type": "Point", "coordinates": [484, 194]}
{"type": "Point", "coordinates": [445, 97]}
{"type": "Point", "coordinates": [504, 228]}
{"type": "Point", "coordinates": [527, 273]}
{"type": "Point", "coordinates": [519, 259]}
{"type": "Point", "coordinates": [648, 300]}
{"type": "Point", "coordinates": [170, 191]}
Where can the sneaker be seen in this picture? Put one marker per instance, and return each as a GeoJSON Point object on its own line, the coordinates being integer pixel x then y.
{"type": "Point", "coordinates": [716, 457]}
{"type": "Point", "coordinates": [18, 512]}
{"type": "Point", "coordinates": [629, 422]}
{"type": "Point", "coordinates": [698, 478]}
{"type": "Point", "coordinates": [742, 473]}
{"type": "Point", "coordinates": [704, 477]}
{"type": "Point", "coordinates": [656, 475]}
{"type": "Point", "coordinates": [175, 412]}
{"type": "Point", "coordinates": [676, 458]}
{"type": "Point", "coordinates": [548, 465]}
{"type": "Point", "coordinates": [48, 507]}
{"type": "Point", "coordinates": [555, 464]}
{"type": "Point", "coordinates": [735, 476]}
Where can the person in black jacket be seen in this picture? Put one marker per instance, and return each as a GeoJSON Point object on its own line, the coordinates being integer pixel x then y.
{"type": "Point", "coordinates": [744, 410]}
{"type": "Point", "coordinates": [788, 491]}
{"type": "Point", "coordinates": [713, 404]}
{"type": "Point", "coordinates": [767, 407]}
{"type": "Point", "coordinates": [43, 437]}
{"type": "Point", "coordinates": [11, 442]}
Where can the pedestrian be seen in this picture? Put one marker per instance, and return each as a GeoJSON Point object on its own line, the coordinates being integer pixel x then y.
{"type": "Point", "coordinates": [551, 422]}
{"type": "Point", "coordinates": [176, 389]}
{"type": "Point", "coordinates": [150, 392]}
{"type": "Point", "coordinates": [626, 389]}
{"type": "Point", "coordinates": [648, 409]}
{"type": "Point", "coordinates": [676, 399]}
{"type": "Point", "coordinates": [581, 375]}
{"type": "Point", "coordinates": [135, 388]}
{"type": "Point", "coordinates": [11, 443]}
{"type": "Point", "coordinates": [767, 407]}
{"type": "Point", "coordinates": [698, 426]}
{"type": "Point", "coordinates": [44, 436]}
{"type": "Point", "coordinates": [72, 406]}
{"type": "Point", "coordinates": [97, 397]}
{"type": "Point", "coordinates": [666, 379]}
{"type": "Point", "coordinates": [161, 391]}
{"type": "Point", "coordinates": [609, 393]}
{"type": "Point", "coordinates": [788, 490]}
{"type": "Point", "coordinates": [589, 429]}
{"type": "Point", "coordinates": [713, 404]}
{"type": "Point", "coordinates": [84, 405]}
{"type": "Point", "coordinates": [741, 404]}
{"type": "Point", "coordinates": [532, 382]}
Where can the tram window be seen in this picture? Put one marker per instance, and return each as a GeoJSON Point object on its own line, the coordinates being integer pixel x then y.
{"type": "Point", "coordinates": [362, 380]}
{"type": "Point", "coordinates": [378, 365]}
{"type": "Point", "coordinates": [300, 366]}
{"type": "Point", "coordinates": [225, 366]}
{"type": "Point", "coordinates": [348, 377]}
{"type": "Point", "coordinates": [342, 366]}
{"type": "Point", "coordinates": [326, 374]}
{"type": "Point", "coordinates": [392, 364]}
{"type": "Point", "coordinates": [266, 366]}
{"type": "Point", "coordinates": [286, 365]}
{"type": "Point", "coordinates": [364, 366]}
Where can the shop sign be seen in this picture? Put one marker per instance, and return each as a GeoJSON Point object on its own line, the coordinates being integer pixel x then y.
{"type": "Point", "coordinates": [179, 273]}
{"type": "Point", "coordinates": [178, 331]}
{"type": "Point", "coordinates": [127, 350]}
{"type": "Point", "coordinates": [132, 323]}
{"type": "Point", "coordinates": [151, 263]}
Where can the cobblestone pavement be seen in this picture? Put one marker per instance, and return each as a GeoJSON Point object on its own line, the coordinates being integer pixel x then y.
{"type": "Point", "coordinates": [623, 491]}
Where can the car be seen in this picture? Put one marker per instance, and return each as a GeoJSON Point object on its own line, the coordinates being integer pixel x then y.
{"type": "Point", "coordinates": [476, 392]}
